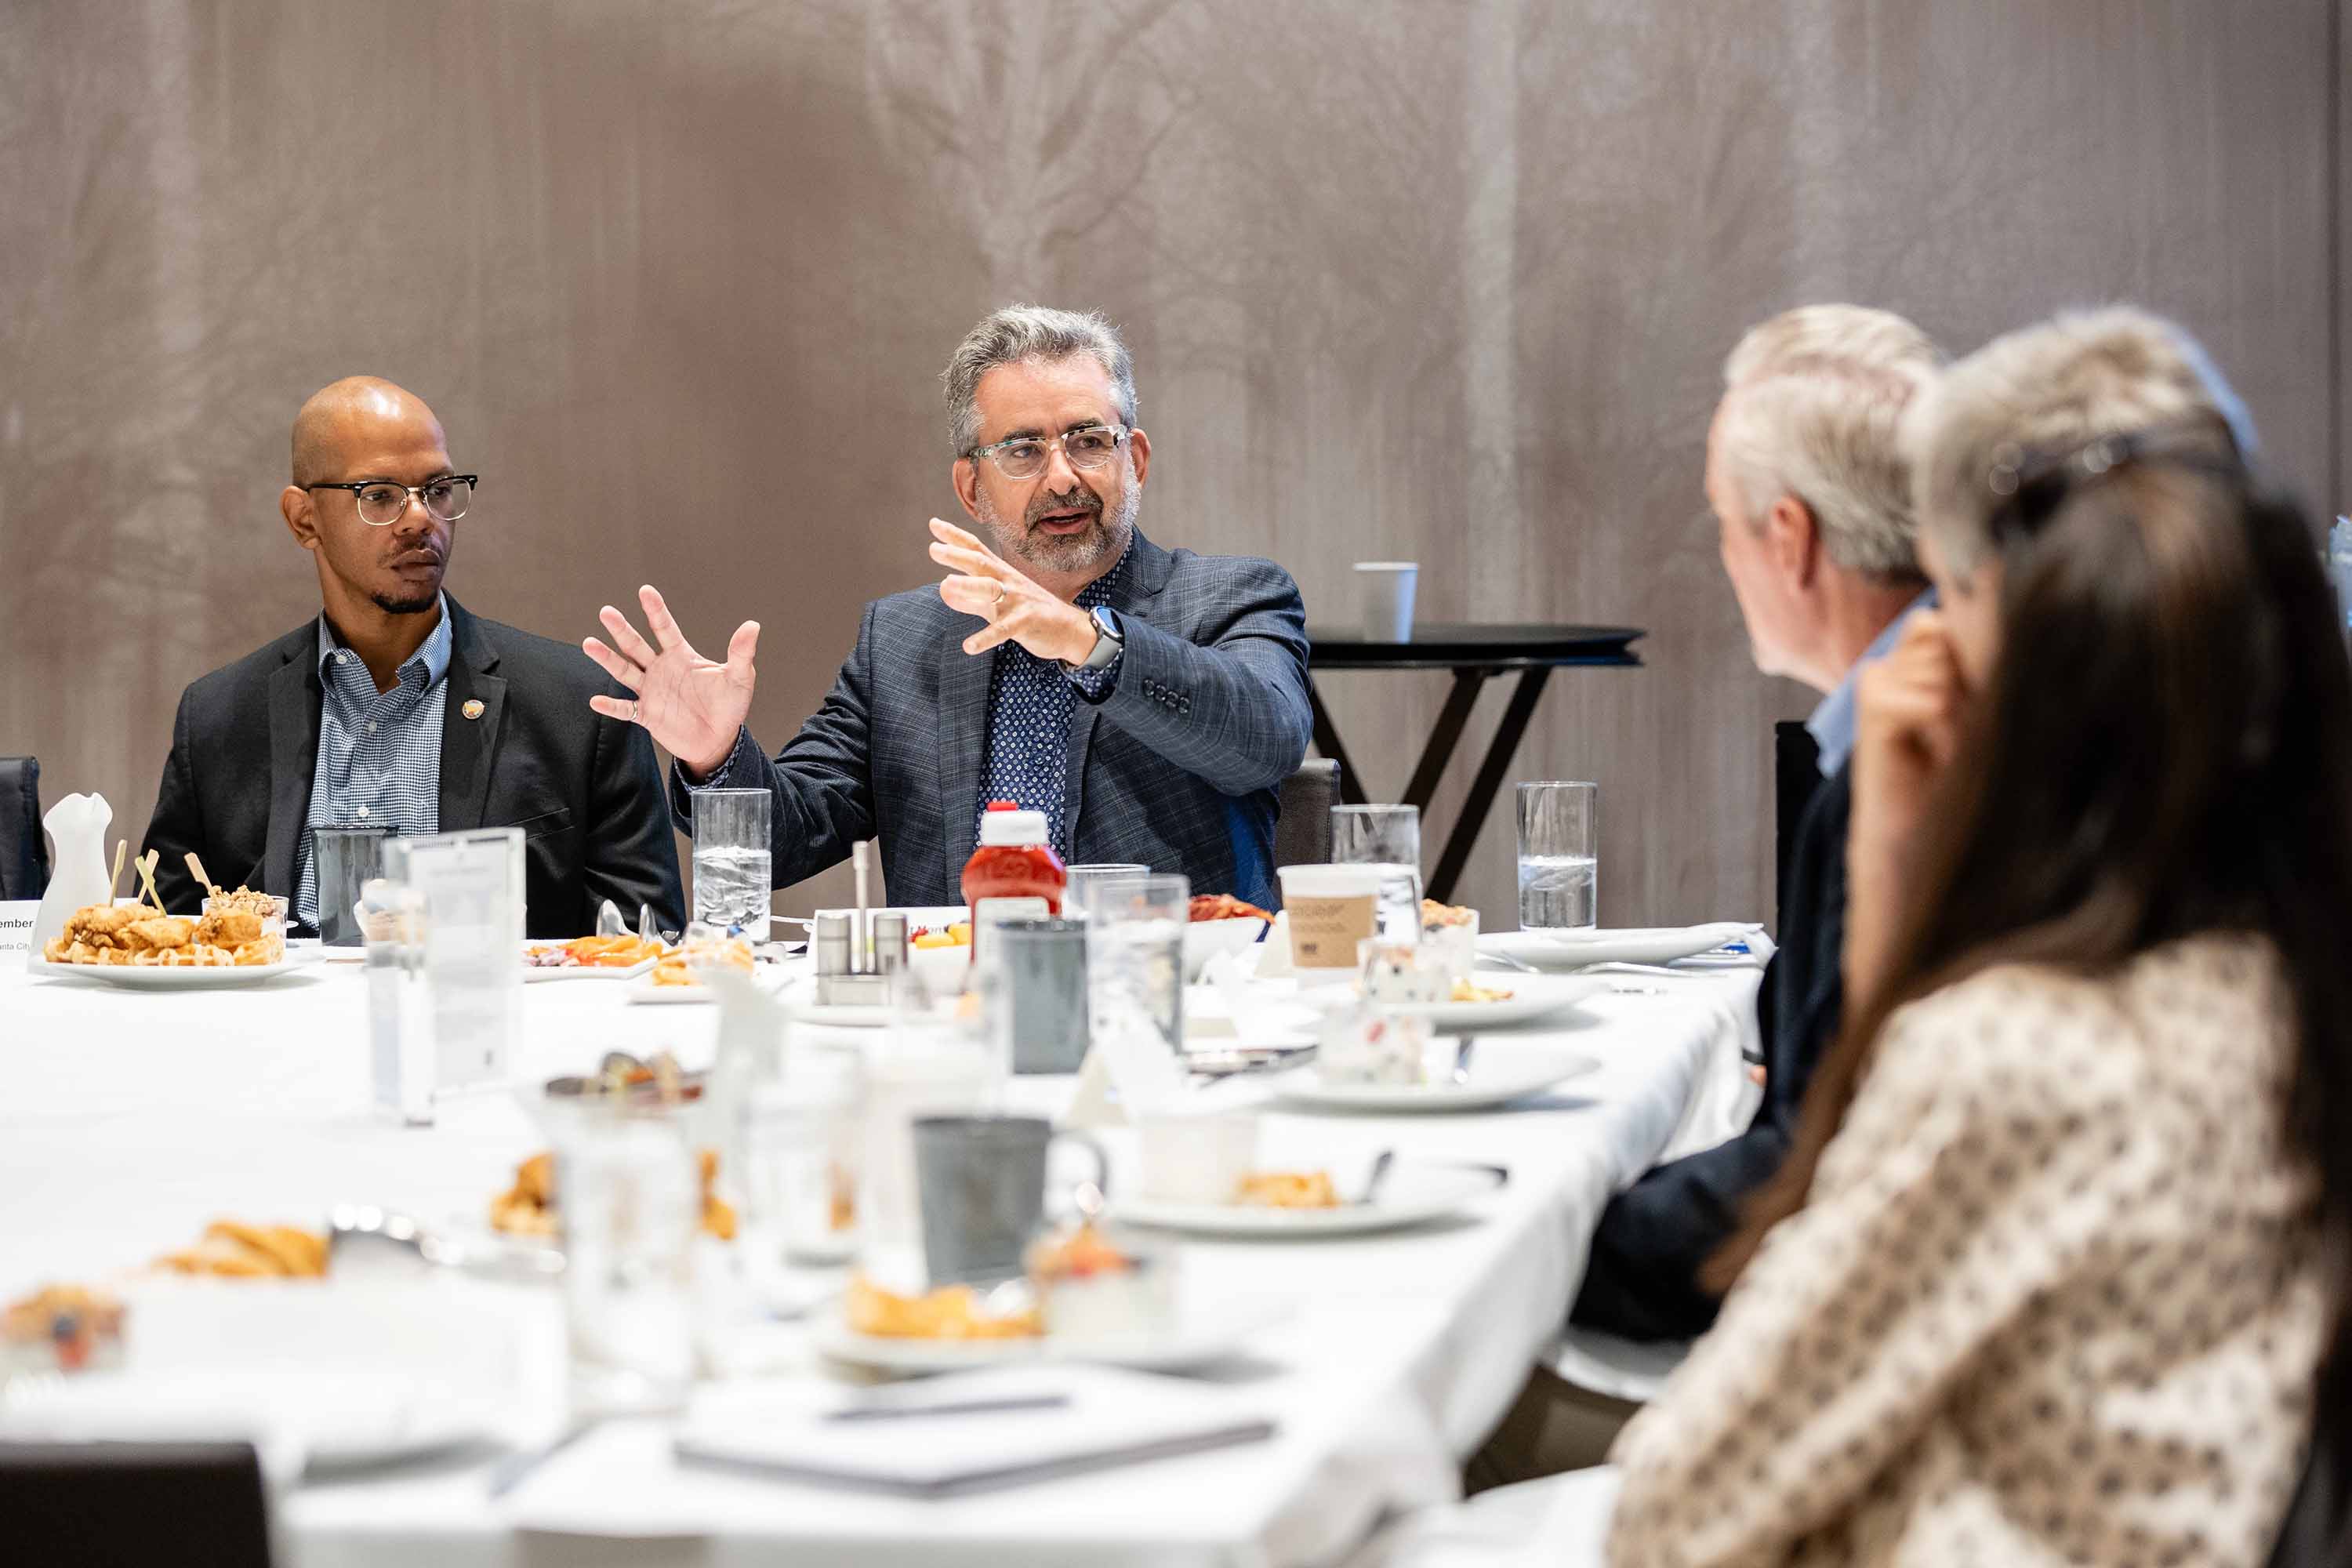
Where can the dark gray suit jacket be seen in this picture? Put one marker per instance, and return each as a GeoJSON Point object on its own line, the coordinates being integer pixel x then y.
{"type": "Point", "coordinates": [1654, 1238]}
{"type": "Point", "coordinates": [586, 790]}
{"type": "Point", "coordinates": [1176, 769]}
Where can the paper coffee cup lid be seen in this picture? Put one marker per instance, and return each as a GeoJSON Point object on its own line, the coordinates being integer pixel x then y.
{"type": "Point", "coordinates": [1330, 882]}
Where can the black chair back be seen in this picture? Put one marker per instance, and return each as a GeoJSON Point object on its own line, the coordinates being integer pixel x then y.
{"type": "Point", "coordinates": [1796, 772]}
{"type": "Point", "coordinates": [23, 855]}
{"type": "Point", "coordinates": [1302, 834]}
{"type": "Point", "coordinates": [131, 1505]}
{"type": "Point", "coordinates": [2318, 1531]}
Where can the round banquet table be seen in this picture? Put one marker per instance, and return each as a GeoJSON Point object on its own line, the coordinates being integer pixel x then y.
{"type": "Point", "coordinates": [134, 1119]}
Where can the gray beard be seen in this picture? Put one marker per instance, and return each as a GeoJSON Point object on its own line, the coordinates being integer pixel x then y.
{"type": "Point", "coordinates": [1100, 546]}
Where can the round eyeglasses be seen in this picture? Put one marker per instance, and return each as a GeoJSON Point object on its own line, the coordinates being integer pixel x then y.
{"type": "Point", "coordinates": [1088, 448]}
{"type": "Point", "coordinates": [381, 502]}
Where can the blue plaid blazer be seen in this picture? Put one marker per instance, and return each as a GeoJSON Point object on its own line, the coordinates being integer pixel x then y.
{"type": "Point", "coordinates": [1177, 769]}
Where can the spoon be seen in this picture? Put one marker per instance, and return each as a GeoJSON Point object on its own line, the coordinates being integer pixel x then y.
{"type": "Point", "coordinates": [1382, 1163]}
{"type": "Point", "coordinates": [1461, 1074]}
{"type": "Point", "coordinates": [365, 1233]}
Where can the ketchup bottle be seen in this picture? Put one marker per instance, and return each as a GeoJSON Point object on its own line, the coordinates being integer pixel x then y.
{"type": "Point", "coordinates": [1015, 874]}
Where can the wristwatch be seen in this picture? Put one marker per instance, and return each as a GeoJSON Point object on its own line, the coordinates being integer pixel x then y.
{"type": "Point", "coordinates": [1109, 640]}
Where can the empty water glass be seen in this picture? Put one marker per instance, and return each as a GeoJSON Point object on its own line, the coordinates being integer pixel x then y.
{"type": "Point", "coordinates": [1081, 878]}
{"type": "Point", "coordinates": [731, 880]}
{"type": "Point", "coordinates": [803, 1137]}
{"type": "Point", "coordinates": [1559, 855]}
{"type": "Point", "coordinates": [1388, 836]}
{"type": "Point", "coordinates": [1135, 958]}
{"type": "Point", "coordinates": [629, 1190]}
{"type": "Point", "coordinates": [347, 857]}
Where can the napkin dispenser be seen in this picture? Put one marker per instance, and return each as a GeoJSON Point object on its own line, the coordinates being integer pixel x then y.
{"type": "Point", "coordinates": [860, 956]}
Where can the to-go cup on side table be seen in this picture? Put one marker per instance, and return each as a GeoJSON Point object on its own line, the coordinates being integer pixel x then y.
{"type": "Point", "coordinates": [1387, 588]}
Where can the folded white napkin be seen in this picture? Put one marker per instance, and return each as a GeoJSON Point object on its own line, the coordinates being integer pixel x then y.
{"type": "Point", "coordinates": [1110, 1418]}
{"type": "Point", "coordinates": [1631, 944]}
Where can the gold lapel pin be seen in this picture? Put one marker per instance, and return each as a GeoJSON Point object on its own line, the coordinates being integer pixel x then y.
{"type": "Point", "coordinates": [473, 707]}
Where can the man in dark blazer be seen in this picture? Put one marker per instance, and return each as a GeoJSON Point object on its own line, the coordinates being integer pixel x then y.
{"type": "Point", "coordinates": [1812, 495]}
{"type": "Point", "coordinates": [395, 707]}
{"type": "Point", "coordinates": [1148, 702]}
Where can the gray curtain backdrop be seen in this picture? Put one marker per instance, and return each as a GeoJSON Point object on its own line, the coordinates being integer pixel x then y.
{"type": "Point", "coordinates": [1445, 281]}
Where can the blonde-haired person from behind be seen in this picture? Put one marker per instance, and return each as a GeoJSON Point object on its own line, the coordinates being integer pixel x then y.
{"type": "Point", "coordinates": [2056, 1269]}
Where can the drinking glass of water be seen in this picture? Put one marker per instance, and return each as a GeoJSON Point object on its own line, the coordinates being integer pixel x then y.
{"type": "Point", "coordinates": [1135, 958]}
{"type": "Point", "coordinates": [1558, 855]}
{"type": "Point", "coordinates": [631, 1196]}
{"type": "Point", "coordinates": [731, 884]}
{"type": "Point", "coordinates": [1388, 836]}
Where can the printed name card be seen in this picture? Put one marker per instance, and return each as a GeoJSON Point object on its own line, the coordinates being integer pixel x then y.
{"type": "Point", "coordinates": [16, 919]}
{"type": "Point", "coordinates": [471, 885]}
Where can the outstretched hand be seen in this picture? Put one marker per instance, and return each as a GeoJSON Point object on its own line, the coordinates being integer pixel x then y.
{"type": "Point", "coordinates": [1016, 608]}
{"type": "Point", "coordinates": [691, 705]}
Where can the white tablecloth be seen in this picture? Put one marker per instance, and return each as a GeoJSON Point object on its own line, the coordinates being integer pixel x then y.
{"type": "Point", "coordinates": [128, 1120]}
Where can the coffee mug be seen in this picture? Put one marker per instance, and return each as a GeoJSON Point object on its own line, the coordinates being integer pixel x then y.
{"type": "Point", "coordinates": [981, 1180]}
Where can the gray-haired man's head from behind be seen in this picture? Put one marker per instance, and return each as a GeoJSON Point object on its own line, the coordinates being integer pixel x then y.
{"type": "Point", "coordinates": [1813, 404]}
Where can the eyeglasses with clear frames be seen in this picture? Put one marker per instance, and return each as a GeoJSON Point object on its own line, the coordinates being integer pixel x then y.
{"type": "Point", "coordinates": [381, 501]}
{"type": "Point", "coordinates": [1089, 447]}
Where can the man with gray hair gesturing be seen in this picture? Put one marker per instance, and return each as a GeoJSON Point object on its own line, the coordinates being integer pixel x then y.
{"type": "Point", "coordinates": [1148, 701]}
{"type": "Point", "coordinates": [1806, 477]}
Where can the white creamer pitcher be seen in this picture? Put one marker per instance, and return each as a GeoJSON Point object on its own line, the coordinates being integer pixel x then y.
{"type": "Point", "coordinates": [78, 824]}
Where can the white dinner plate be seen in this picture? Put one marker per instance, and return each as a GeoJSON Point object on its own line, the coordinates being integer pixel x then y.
{"type": "Point", "coordinates": [646, 993]}
{"type": "Point", "coordinates": [1555, 950]}
{"type": "Point", "coordinates": [802, 1005]}
{"type": "Point", "coordinates": [532, 974]}
{"type": "Point", "coordinates": [1501, 1070]}
{"type": "Point", "coordinates": [1196, 1341]}
{"type": "Point", "coordinates": [1532, 996]}
{"type": "Point", "coordinates": [314, 1419]}
{"type": "Point", "coordinates": [163, 977]}
{"type": "Point", "coordinates": [1415, 1192]}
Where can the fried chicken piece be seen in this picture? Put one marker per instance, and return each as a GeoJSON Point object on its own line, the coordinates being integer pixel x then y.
{"type": "Point", "coordinates": [232, 929]}
{"type": "Point", "coordinates": [299, 1253]}
{"type": "Point", "coordinates": [535, 1179]}
{"type": "Point", "coordinates": [160, 932]}
{"type": "Point", "coordinates": [103, 921]}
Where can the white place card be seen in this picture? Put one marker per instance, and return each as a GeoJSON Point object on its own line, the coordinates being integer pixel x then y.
{"type": "Point", "coordinates": [472, 886]}
{"type": "Point", "coordinates": [17, 918]}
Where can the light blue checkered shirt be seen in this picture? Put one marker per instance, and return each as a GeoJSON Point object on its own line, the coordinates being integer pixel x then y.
{"type": "Point", "coordinates": [379, 753]}
{"type": "Point", "coordinates": [1833, 723]}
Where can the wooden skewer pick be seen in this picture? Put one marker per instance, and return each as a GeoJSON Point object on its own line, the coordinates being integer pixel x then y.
{"type": "Point", "coordinates": [196, 869]}
{"type": "Point", "coordinates": [147, 874]}
{"type": "Point", "coordinates": [121, 848]}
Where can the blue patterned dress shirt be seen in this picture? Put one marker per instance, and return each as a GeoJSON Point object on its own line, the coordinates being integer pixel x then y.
{"type": "Point", "coordinates": [1030, 703]}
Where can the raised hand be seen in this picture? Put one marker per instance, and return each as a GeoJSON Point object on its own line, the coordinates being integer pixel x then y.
{"type": "Point", "coordinates": [1016, 609]}
{"type": "Point", "coordinates": [690, 704]}
{"type": "Point", "coordinates": [1909, 707]}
